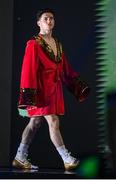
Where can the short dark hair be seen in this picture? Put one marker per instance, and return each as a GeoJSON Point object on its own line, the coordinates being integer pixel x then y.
{"type": "Point", "coordinates": [42, 11]}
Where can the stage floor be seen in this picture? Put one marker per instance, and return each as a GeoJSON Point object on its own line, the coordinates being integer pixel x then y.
{"type": "Point", "coordinates": [37, 174]}
{"type": "Point", "coordinates": [9, 173]}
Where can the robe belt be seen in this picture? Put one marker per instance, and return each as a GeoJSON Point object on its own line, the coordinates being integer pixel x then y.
{"type": "Point", "coordinates": [57, 76]}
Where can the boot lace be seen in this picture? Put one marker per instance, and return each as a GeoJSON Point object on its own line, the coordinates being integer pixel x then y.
{"type": "Point", "coordinates": [69, 157]}
{"type": "Point", "coordinates": [25, 158]}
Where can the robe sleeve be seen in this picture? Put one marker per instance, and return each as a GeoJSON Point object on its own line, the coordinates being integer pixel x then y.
{"type": "Point", "coordinates": [73, 81]}
{"type": "Point", "coordinates": [28, 82]}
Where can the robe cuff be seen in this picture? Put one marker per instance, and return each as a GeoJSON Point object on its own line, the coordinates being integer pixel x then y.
{"type": "Point", "coordinates": [79, 88]}
{"type": "Point", "coordinates": [27, 97]}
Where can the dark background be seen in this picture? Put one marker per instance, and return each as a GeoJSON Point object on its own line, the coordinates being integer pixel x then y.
{"type": "Point", "coordinates": [75, 29]}
{"type": "Point", "coordinates": [6, 35]}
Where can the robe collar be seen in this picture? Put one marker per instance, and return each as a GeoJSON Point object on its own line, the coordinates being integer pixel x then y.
{"type": "Point", "coordinates": [48, 50]}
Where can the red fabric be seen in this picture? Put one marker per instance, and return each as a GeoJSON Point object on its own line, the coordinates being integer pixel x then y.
{"type": "Point", "coordinates": [41, 73]}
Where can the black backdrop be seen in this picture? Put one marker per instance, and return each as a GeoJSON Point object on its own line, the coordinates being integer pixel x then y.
{"type": "Point", "coordinates": [6, 28]}
{"type": "Point", "coordinates": [75, 29]}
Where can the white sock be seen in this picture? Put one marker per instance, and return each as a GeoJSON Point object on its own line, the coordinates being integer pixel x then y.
{"type": "Point", "coordinates": [22, 150]}
{"type": "Point", "coordinates": [65, 155]}
{"type": "Point", "coordinates": [23, 147]}
{"type": "Point", "coordinates": [62, 151]}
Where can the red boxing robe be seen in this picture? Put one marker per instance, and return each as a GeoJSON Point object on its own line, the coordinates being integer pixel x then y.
{"type": "Point", "coordinates": [41, 79]}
